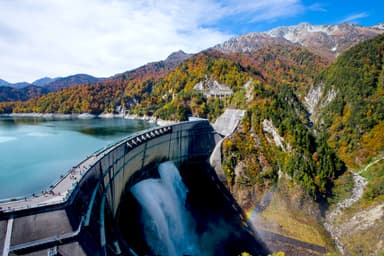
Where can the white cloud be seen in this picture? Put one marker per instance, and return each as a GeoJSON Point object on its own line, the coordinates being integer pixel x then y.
{"type": "Point", "coordinates": [355, 17]}
{"type": "Point", "coordinates": [317, 7]}
{"type": "Point", "coordinates": [263, 10]}
{"type": "Point", "coordinates": [103, 37]}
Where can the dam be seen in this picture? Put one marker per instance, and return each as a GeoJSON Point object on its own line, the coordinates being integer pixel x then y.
{"type": "Point", "coordinates": [77, 215]}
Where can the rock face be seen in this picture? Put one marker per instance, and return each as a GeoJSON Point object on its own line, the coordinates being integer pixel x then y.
{"type": "Point", "coordinates": [326, 40]}
{"type": "Point", "coordinates": [313, 97]}
{"type": "Point", "coordinates": [379, 26]}
{"type": "Point", "coordinates": [317, 99]}
{"type": "Point", "coordinates": [250, 42]}
{"type": "Point", "coordinates": [269, 128]}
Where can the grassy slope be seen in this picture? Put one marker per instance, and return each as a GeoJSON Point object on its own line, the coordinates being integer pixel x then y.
{"type": "Point", "coordinates": [293, 214]}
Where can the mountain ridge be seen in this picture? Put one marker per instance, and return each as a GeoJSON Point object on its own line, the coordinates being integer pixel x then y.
{"type": "Point", "coordinates": [44, 81]}
{"type": "Point", "coordinates": [326, 40]}
{"type": "Point", "coordinates": [270, 80]}
{"type": "Point", "coordinates": [72, 80]}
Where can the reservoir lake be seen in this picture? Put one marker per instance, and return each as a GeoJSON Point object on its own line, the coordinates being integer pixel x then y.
{"type": "Point", "coordinates": [34, 152]}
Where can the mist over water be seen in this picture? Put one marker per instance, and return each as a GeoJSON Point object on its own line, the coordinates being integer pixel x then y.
{"type": "Point", "coordinates": [169, 228]}
{"type": "Point", "coordinates": [183, 212]}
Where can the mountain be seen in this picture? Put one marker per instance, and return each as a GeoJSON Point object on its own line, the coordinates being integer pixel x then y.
{"type": "Point", "coordinates": [347, 101]}
{"type": "Point", "coordinates": [105, 95]}
{"type": "Point", "coordinates": [19, 91]}
{"type": "Point", "coordinates": [155, 69]}
{"type": "Point", "coordinates": [250, 42]}
{"type": "Point", "coordinates": [14, 85]}
{"type": "Point", "coordinates": [347, 105]}
{"type": "Point", "coordinates": [72, 80]}
{"type": "Point", "coordinates": [176, 58]}
{"type": "Point", "coordinates": [14, 94]}
{"type": "Point", "coordinates": [4, 83]}
{"type": "Point", "coordinates": [44, 81]}
{"type": "Point", "coordinates": [326, 40]}
{"type": "Point", "coordinates": [283, 64]}
{"type": "Point", "coordinates": [287, 160]}
{"type": "Point", "coordinates": [379, 26]}
{"type": "Point", "coordinates": [20, 85]}
{"type": "Point", "coordinates": [23, 91]}
{"type": "Point", "coordinates": [151, 71]}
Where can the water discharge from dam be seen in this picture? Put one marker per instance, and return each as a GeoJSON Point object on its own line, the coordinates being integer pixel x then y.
{"type": "Point", "coordinates": [183, 211]}
{"type": "Point", "coordinates": [168, 226]}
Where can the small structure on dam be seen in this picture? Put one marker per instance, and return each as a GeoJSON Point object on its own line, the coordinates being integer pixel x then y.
{"type": "Point", "coordinates": [77, 214]}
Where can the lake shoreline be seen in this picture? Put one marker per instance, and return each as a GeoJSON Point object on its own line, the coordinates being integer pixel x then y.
{"type": "Point", "coordinates": [150, 119]}
{"type": "Point", "coordinates": [35, 151]}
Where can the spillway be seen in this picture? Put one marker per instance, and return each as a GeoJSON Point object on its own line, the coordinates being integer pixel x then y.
{"type": "Point", "coordinates": [96, 213]}
{"type": "Point", "coordinates": [186, 212]}
{"type": "Point", "coordinates": [167, 224]}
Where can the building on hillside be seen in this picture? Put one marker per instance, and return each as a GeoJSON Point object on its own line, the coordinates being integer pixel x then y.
{"type": "Point", "coordinates": [212, 88]}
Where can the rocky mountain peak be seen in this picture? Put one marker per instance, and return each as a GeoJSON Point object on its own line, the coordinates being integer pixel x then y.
{"type": "Point", "coordinates": [379, 26]}
{"type": "Point", "coordinates": [295, 33]}
{"type": "Point", "coordinates": [177, 57]}
{"type": "Point", "coordinates": [249, 42]}
{"type": "Point", "coordinates": [326, 40]}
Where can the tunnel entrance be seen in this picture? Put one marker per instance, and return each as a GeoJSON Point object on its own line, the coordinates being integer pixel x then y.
{"type": "Point", "coordinates": [218, 221]}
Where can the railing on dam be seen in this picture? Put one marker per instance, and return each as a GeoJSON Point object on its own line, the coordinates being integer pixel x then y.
{"type": "Point", "coordinates": [95, 186]}
{"type": "Point", "coordinates": [176, 143]}
{"type": "Point", "coordinates": [65, 189]}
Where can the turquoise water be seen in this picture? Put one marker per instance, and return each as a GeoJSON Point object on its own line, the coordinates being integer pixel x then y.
{"type": "Point", "coordinates": [34, 152]}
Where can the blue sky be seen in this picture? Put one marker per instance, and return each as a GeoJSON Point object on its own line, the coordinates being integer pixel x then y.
{"type": "Point", "coordinates": [103, 37]}
{"type": "Point", "coordinates": [362, 12]}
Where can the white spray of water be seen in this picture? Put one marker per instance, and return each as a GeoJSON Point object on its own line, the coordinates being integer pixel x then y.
{"type": "Point", "coordinates": [168, 226]}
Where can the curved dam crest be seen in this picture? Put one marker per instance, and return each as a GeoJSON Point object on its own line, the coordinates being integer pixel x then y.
{"type": "Point", "coordinates": [76, 220]}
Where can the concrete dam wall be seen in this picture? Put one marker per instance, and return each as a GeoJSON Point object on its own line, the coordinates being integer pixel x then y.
{"type": "Point", "coordinates": [72, 215]}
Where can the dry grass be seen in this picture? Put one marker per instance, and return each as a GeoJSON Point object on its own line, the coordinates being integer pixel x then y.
{"type": "Point", "coordinates": [282, 221]}
{"type": "Point", "coordinates": [285, 216]}
{"type": "Point", "coordinates": [369, 241]}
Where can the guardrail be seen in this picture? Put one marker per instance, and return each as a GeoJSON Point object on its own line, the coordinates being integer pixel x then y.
{"type": "Point", "coordinates": [47, 240]}
{"type": "Point", "coordinates": [37, 200]}
{"type": "Point", "coordinates": [27, 202]}
{"type": "Point", "coordinates": [131, 145]}
{"type": "Point", "coordinates": [118, 163]}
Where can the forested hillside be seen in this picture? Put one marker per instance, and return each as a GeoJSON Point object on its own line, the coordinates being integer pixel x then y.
{"type": "Point", "coordinates": [20, 94]}
{"type": "Point", "coordinates": [278, 145]}
{"type": "Point", "coordinates": [277, 78]}
{"type": "Point", "coordinates": [166, 91]}
{"type": "Point", "coordinates": [351, 110]}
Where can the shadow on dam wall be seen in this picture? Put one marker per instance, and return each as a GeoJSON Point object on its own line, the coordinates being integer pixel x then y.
{"type": "Point", "coordinates": [101, 217]}
{"type": "Point", "coordinates": [220, 224]}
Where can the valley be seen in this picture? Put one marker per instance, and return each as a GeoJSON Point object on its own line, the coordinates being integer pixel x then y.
{"type": "Point", "coordinates": [306, 161]}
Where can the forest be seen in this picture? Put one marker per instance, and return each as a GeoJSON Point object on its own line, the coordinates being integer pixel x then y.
{"type": "Point", "coordinates": [348, 131]}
